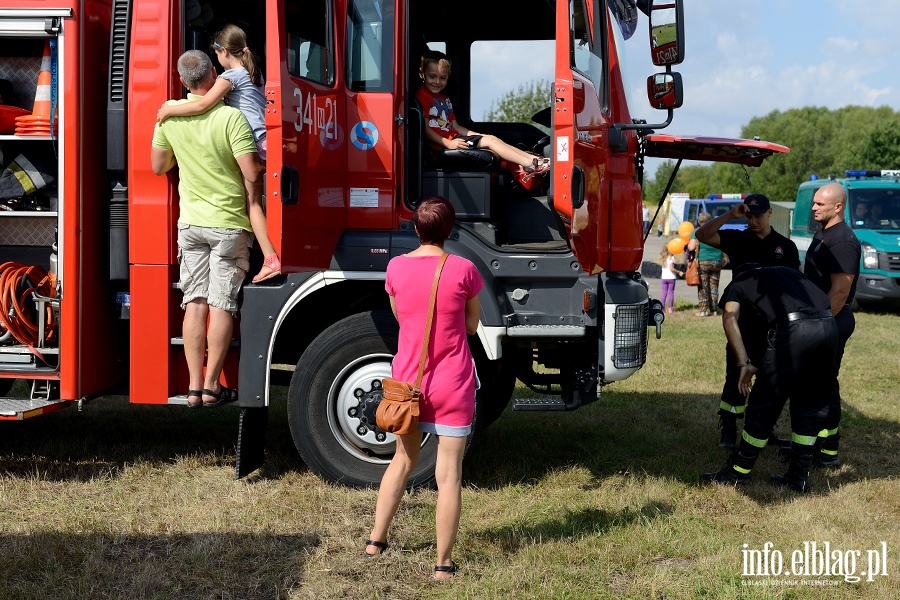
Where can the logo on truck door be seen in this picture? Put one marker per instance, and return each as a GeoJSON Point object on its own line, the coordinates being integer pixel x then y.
{"type": "Point", "coordinates": [364, 135]}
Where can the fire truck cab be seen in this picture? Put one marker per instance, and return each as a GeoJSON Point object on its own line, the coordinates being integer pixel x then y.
{"type": "Point", "coordinates": [564, 309]}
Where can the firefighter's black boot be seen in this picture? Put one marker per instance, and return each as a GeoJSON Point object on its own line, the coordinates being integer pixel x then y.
{"type": "Point", "coordinates": [826, 453]}
{"type": "Point", "coordinates": [797, 476]}
{"type": "Point", "coordinates": [728, 435]}
{"type": "Point", "coordinates": [736, 471]}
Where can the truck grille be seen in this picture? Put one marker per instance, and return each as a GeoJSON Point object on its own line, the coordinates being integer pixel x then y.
{"type": "Point", "coordinates": [889, 261]}
{"type": "Point", "coordinates": [630, 342]}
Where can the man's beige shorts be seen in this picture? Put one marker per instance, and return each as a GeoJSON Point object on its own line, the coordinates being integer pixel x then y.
{"type": "Point", "coordinates": [213, 264]}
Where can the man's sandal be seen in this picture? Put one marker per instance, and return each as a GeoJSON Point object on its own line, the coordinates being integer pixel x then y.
{"type": "Point", "coordinates": [452, 569]}
{"type": "Point", "coordinates": [225, 394]}
{"type": "Point", "coordinates": [382, 546]}
{"type": "Point", "coordinates": [195, 394]}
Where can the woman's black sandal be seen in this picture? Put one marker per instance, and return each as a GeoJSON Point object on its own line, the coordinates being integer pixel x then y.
{"type": "Point", "coordinates": [452, 569]}
{"type": "Point", "coordinates": [382, 546]}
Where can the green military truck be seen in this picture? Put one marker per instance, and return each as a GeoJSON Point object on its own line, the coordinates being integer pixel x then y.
{"type": "Point", "coordinates": [873, 212]}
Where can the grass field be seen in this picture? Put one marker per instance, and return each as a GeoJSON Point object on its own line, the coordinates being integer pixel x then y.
{"type": "Point", "coordinates": [603, 502]}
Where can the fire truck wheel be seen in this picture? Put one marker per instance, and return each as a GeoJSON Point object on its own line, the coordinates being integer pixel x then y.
{"type": "Point", "coordinates": [332, 400]}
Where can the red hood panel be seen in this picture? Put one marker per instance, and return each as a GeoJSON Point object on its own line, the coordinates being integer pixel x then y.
{"type": "Point", "coordinates": [747, 152]}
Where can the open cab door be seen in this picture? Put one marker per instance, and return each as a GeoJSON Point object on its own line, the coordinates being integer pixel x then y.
{"type": "Point", "coordinates": [306, 166]}
{"type": "Point", "coordinates": [579, 156]}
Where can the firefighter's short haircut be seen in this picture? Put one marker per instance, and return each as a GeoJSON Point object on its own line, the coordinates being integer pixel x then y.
{"type": "Point", "coordinates": [434, 218]}
{"type": "Point", "coordinates": [194, 67]}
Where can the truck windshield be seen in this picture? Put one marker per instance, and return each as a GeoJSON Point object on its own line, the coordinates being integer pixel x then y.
{"type": "Point", "coordinates": [720, 208]}
{"type": "Point", "coordinates": [875, 208]}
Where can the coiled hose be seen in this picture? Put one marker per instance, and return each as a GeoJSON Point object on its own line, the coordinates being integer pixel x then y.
{"type": "Point", "coordinates": [18, 314]}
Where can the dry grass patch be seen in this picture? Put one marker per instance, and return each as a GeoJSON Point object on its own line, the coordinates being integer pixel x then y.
{"type": "Point", "coordinates": [140, 502]}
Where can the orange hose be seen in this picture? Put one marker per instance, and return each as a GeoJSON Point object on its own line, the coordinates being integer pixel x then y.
{"type": "Point", "coordinates": [17, 310]}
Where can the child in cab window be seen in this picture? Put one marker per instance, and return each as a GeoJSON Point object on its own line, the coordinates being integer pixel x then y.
{"type": "Point", "coordinates": [444, 133]}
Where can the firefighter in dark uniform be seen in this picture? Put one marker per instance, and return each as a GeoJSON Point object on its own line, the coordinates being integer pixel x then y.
{"type": "Point", "coordinates": [782, 332]}
{"type": "Point", "coordinates": [832, 263]}
{"type": "Point", "coordinates": [758, 245]}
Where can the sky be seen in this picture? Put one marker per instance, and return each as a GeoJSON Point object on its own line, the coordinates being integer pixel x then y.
{"type": "Point", "coordinates": [745, 58]}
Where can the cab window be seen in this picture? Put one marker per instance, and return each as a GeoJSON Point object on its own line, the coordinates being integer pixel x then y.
{"type": "Point", "coordinates": [585, 50]}
{"type": "Point", "coordinates": [310, 53]}
{"type": "Point", "coordinates": [370, 45]}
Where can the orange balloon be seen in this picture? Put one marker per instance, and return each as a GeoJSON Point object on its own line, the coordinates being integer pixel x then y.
{"type": "Point", "coordinates": [685, 237]}
{"type": "Point", "coordinates": [685, 229]}
{"type": "Point", "coordinates": [676, 246]}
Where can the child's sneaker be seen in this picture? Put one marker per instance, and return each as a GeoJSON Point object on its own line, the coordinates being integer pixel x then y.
{"type": "Point", "coordinates": [271, 268]}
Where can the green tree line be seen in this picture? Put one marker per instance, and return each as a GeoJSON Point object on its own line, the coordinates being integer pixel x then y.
{"type": "Point", "coordinates": [822, 142]}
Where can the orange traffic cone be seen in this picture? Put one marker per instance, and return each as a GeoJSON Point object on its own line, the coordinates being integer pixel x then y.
{"type": "Point", "coordinates": [38, 122]}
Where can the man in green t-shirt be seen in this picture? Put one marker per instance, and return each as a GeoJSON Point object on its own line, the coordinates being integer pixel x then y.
{"type": "Point", "coordinates": [214, 152]}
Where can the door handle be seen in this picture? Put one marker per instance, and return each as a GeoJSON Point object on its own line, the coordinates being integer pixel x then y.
{"type": "Point", "coordinates": [290, 185]}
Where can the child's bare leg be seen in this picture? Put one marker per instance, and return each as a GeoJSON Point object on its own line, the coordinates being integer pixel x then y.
{"type": "Point", "coordinates": [258, 217]}
{"type": "Point", "coordinates": [505, 151]}
{"type": "Point", "coordinates": [271, 263]}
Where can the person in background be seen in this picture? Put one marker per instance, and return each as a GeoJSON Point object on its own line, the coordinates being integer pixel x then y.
{"type": "Point", "coordinates": [215, 153]}
{"type": "Point", "coordinates": [832, 264]}
{"type": "Point", "coordinates": [710, 267]}
{"type": "Point", "coordinates": [758, 245]}
{"type": "Point", "coordinates": [646, 214]}
{"type": "Point", "coordinates": [447, 404]}
{"type": "Point", "coordinates": [669, 275]}
{"type": "Point", "coordinates": [659, 228]}
{"type": "Point", "coordinates": [780, 326]}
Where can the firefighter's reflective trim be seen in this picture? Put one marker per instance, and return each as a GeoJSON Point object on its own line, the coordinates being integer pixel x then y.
{"type": "Point", "coordinates": [752, 440]}
{"type": "Point", "coordinates": [741, 470]}
{"type": "Point", "coordinates": [803, 440]}
{"type": "Point", "coordinates": [825, 433]}
{"type": "Point", "coordinates": [735, 410]}
{"type": "Point", "coordinates": [29, 177]}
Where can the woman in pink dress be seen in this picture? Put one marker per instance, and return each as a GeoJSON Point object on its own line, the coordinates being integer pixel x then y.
{"type": "Point", "coordinates": [447, 406]}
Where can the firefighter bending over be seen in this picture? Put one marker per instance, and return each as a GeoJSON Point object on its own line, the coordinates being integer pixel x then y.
{"type": "Point", "coordinates": [781, 329]}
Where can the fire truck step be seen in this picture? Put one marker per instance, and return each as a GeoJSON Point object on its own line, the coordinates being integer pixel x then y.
{"type": "Point", "coordinates": [554, 331]}
{"type": "Point", "coordinates": [18, 409]}
{"type": "Point", "coordinates": [539, 404]}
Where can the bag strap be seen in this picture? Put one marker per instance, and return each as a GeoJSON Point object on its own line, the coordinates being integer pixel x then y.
{"type": "Point", "coordinates": [434, 288]}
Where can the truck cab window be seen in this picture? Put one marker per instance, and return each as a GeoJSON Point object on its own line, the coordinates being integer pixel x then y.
{"type": "Point", "coordinates": [370, 45]}
{"type": "Point", "coordinates": [586, 52]}
{"type": "Point", "coordinates": [310, 53]}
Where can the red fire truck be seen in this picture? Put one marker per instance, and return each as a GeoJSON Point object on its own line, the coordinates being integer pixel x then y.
{"type": "Point", "coordinates": [90, 257]}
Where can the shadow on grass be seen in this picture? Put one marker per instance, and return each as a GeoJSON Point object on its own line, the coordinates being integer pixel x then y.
{"type": "Point", "coordinates": [42, 564]}
{"type": "Point", "coordinates": [658, 435]}
{"type": "Point", "coordinates": [110, 434]}
{"type": "Point", "coordinates": [574, 525]}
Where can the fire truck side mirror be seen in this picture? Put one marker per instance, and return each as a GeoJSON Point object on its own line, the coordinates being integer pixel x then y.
{"type": "Point", "coordinates": [667, 32]}
{"type": "Point", "coordinates": [664, 90]}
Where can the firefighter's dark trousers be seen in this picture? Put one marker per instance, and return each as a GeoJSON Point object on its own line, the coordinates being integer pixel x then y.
{"type": "Point", "coordinates": [797, 364]}
{"type": "Point", "coordinates": [732, 401]}
{"type": "Point", "coordinates": [846, 324]}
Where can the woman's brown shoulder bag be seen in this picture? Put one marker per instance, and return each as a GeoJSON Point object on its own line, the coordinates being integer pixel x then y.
{"type": "Point", "coordinates": [398, 411]}
{"type": "Point", "coordinates": [692, 275]}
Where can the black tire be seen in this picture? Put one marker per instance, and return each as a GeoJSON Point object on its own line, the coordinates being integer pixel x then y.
{"type": "Point", "coordinates": [498, 381]}
{"type": "Point", "coordinates": [335, 375]}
